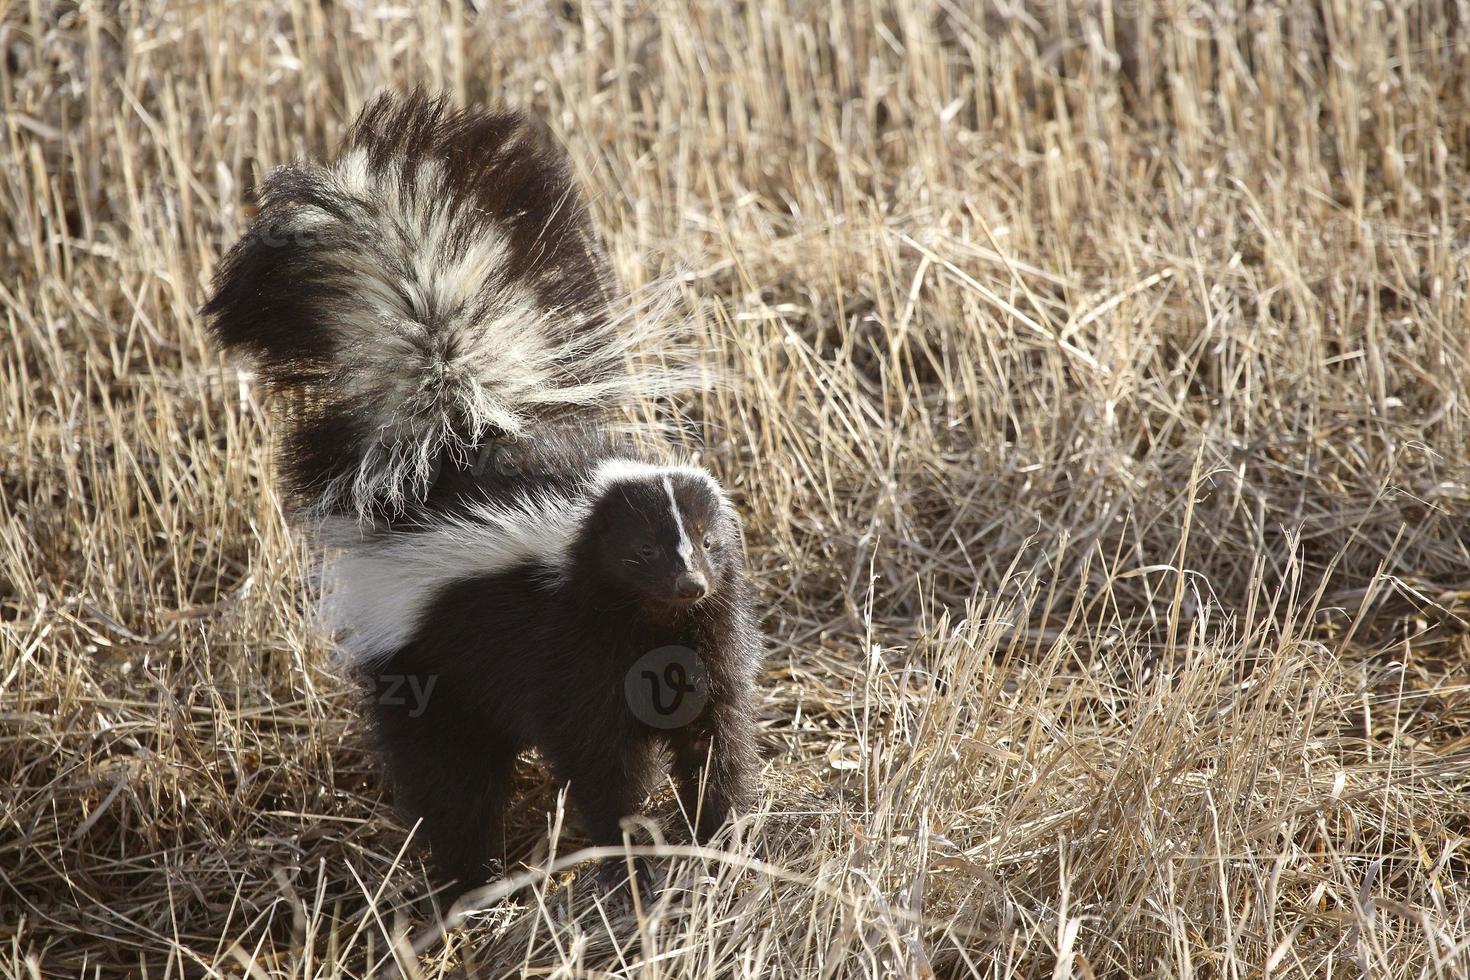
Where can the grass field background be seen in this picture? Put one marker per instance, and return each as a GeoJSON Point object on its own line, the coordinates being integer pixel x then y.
{"type": "Point", "coordinates": [1097, 404]}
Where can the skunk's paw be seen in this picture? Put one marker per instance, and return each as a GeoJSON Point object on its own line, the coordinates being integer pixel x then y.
{"type": "Point", "coordinates": [614, 884]}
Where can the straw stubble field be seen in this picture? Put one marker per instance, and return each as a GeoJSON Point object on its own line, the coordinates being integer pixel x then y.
{"type": "Point", "coordinates": [1096, 402]}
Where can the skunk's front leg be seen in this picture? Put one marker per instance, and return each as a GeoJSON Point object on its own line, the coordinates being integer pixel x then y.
{"type": "Point", "coordinates": [607, 773]}
{"type": "Point", "coordinates": [715, 761]}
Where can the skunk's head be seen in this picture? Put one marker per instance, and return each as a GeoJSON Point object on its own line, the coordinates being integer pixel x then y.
{"type": "Point", "coordinates": [666, 536]}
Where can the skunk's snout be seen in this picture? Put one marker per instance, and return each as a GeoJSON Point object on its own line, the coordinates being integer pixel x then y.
{"type": "Point", "coordinates": [690, 586]}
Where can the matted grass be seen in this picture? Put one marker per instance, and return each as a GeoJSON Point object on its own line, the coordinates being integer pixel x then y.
{"type": "Point", "coordinates": [1097, 404]}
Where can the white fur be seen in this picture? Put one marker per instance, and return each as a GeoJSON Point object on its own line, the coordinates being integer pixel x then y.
{"type": "Point", "coordinates": [686, 547]}
{"type": "Point", "coordinates": [616, 469]}
{"type": "Point", "coordinates": [377, 584]}
{"type": "Point", "coordinates": [611, 471]}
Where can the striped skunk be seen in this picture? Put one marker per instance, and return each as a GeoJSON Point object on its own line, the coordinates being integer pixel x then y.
{"type": "Point", "coordinates": [449, 359]}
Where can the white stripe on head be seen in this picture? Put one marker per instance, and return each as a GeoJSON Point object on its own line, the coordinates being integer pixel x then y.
{"type": "Point", "coordinates": [617, 469]}
{"type": "Point", "coordinates": [613, 470]}
{"type": "Point", "coordinates": [686, 547]}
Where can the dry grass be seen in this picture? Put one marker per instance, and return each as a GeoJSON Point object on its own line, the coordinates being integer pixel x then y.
{"type": "Point", "coordinates": [1098, 407]}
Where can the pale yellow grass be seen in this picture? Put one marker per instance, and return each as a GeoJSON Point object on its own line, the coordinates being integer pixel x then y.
{"type": "Point", "coordinates": [1097, 404]}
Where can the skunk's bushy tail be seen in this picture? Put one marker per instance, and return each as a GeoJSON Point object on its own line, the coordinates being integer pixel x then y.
{"type": "Point", "coordinates": [438, 285]}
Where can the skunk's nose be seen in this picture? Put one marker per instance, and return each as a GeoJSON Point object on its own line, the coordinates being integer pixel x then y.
{"type": "Point", "coordinates": [690, 586]}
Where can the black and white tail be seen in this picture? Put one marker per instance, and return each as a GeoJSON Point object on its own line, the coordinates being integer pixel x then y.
{"type": "Point", "coordinates": [438, 285]}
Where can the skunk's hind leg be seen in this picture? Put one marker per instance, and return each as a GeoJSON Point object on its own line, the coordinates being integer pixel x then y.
{"type": "Point", "coordinates": [462, 807]}
{"type": "Point", "coordinates": [453, 778]}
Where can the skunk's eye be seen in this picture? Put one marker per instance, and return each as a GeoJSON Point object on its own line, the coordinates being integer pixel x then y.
{"type": "Point", "coordinates": [708, 542]}
{"type": "Point", "coordinates": [647, 551]}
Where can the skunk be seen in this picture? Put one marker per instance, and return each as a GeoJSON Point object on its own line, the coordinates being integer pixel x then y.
{"type": "Point", "coordinates": [450, 361]}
